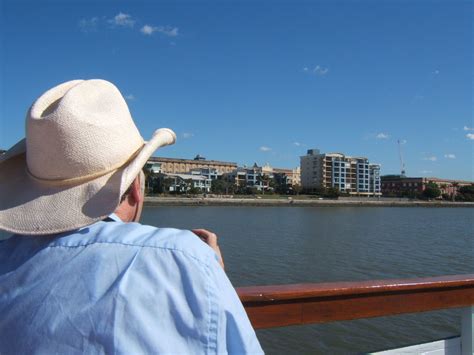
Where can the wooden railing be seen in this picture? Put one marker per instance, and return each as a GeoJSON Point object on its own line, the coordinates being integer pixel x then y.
{"type": "Point", "coordinates": [283, 305]}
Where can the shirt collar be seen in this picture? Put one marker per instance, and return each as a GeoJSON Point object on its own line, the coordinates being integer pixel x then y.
{"type": "Point", "coordinates": [115, 217]}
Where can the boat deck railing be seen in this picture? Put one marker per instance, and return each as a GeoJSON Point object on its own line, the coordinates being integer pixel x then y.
{"type": "Point", "coordinates": [296, 304]}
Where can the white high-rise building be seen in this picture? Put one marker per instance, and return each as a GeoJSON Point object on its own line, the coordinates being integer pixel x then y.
{"type": "Point", "coordinates": [352, 175]}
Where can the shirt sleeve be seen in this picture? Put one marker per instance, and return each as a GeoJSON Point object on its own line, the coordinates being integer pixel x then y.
{"type": "Point", "coordinates": [234, 333]}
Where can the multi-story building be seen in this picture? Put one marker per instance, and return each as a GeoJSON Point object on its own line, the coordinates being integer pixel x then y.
{"type": "Point", "coordinates": [237, 177]}
{"type": "Point", "coordinates": [374, 178]}
{"type": "Point", "coordinates": [396, 185]}
{"type": "Point", "coordinates": [153, 167]}
{"type": "Point", "coordinates": [177, 166]}
{"type": "Point", "coordinates": [209, 173]}
{"type": "Point", "coordinates": [351, 175]}
{"type": "Point", "coordinates": [293, 175]}
{"type": "Point", "coordinates": [260, 177]}
{"type": "Point", "coordinates": [185, 182]}
{"type": "Point", "coordinates": [255, 177]}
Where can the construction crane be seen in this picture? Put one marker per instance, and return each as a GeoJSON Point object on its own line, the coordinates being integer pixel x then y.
{"type": "Point", "coordinates": [402, 163]}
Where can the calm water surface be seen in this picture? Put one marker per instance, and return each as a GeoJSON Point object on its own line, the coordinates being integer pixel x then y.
{"type": "Point", "coordinates": [278, 245]}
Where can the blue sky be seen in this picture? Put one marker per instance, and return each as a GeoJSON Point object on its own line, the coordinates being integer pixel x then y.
{"type": "Point", "coordinates": [261, 81]}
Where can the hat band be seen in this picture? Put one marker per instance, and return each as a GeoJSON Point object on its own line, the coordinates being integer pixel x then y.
{"type": "Point", "coordinates": [84, 178]}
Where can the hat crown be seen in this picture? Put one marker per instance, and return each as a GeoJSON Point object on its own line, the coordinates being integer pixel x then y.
{"type": "Point", "coordinates": [79, 129]}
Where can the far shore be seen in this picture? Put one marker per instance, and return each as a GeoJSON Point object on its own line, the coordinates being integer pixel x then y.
{"type": "Point", "coordinates": [295, 202]}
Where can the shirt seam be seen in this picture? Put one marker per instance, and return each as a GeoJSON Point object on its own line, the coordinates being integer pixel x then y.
{"type": "Point", "coordinates": [131, 245]}
{"type": "Point", "coordinates": [213, 315]}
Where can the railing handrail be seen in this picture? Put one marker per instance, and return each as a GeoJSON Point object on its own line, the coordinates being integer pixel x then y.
{"type": "Point", "coordinates": [282, 305]}
{"type": "Point", "coordinates": [324, 289]}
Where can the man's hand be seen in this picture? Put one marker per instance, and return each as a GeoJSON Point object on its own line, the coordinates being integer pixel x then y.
{"type": "Point", "coordinates": [210, 239]}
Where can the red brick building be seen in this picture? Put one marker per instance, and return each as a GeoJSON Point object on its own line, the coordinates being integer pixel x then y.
{"type": "Point", "coordinates": [396, 185]}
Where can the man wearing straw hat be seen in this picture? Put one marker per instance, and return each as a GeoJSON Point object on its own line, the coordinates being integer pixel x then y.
{"type": "Point", "coordinates": [79, 276]}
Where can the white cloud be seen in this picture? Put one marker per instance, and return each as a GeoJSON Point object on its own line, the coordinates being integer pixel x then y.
{"type": "Point", "coordinates": [431, 158]}
{"type": "Point", "coordinates": [317, 70]}
{"type": "Point", "coordinates": [470, 136]}
{"type": "Point", "coordinates": [265, 149]}
{"type": "Point", "coordinates": [402, 141]}
{"type": "Point", "coordinates": [297, 144]}
{"type": "Point", "coordinates": [188, 135]}
{"type": "Point", "coordinates": [127, 21]}
{"type": "Point", "coordinates": [129, 97]}
{"type": "Point", "coordinates": [450, 156]}
{"type": "Point", "coordinates": [166, 30]}
{"type": "Point", "coordinates": [466, 128]}
{"type": "Point", "coordinates": [89, 25]}
{"type": "Point", "coordinates": [147, 30]}
{"type": "Point", "coordinates": [382, 136]}
{"type": "Point", "coordinates": [121, 19]}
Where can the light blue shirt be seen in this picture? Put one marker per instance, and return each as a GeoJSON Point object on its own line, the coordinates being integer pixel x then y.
{"type": "Point", "coordinates": [116, 287]}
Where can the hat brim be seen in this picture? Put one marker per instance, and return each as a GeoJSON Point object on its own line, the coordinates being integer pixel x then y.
{"type": "Point", "coordinates": [33, 207]}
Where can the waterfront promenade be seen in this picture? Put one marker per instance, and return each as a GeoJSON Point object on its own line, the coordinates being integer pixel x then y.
{"type": "Point", "coordinates": [297, 202]}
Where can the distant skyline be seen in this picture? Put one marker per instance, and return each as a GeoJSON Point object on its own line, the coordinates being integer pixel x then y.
{"type": "Point", "coordinates": [261, 81]}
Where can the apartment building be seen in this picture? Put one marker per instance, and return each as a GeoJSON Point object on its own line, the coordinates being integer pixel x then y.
{"type": "Point", "coordinates": [255, 176]}
{"type": "Point", "coordinates": [293, 175]}
{"type": "Point", "coordinates": [177, 166]}
{"type": "Point", "coordinates": [209, 173]}
{"type": "Point", "coordinates": [260, 176]}
{"type": "Point", "coordinates": [351, 175]}
{"type": "Point", "coordinates": [184, 182]}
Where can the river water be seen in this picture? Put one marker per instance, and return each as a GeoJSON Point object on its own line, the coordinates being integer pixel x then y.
{"type": "Point", "coordinates": [280, 245]}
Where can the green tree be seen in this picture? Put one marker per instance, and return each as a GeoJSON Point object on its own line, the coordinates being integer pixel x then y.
{"type": "Point", "coordinates": [431, 191]}
{"type": "Point", "coordinates": [220, 186]}
{"type": "Point", "coordinates": [332, 192]}
{"type": "Point", "coordinates": [455, 192]}
{"type": "Point", "coordinates": [263, 180]}
{"type": "Point", "coordinates": [466, 193]}
{"type": "Point", "coordinates": [280, 184]}
{"type": "Point", "coordinates": [194, 190]}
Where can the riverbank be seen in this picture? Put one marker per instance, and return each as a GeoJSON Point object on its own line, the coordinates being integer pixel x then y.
{"type": "Point", "coordinates": [289, 202]}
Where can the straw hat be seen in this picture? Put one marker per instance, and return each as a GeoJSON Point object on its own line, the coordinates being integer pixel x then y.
{"type": "Point", "coordinates": [81, 152]}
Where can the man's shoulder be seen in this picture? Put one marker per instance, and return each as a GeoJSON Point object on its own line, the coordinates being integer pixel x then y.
{"type": "Point", "coordinates": [135, 235]}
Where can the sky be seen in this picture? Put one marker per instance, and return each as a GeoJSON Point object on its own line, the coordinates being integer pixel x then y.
{"type": "Point", "coordinates": [261, 81]}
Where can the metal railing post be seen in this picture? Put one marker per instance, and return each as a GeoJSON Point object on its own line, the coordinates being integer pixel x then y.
{"type": "Point", "coordinates": [467, 331]}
